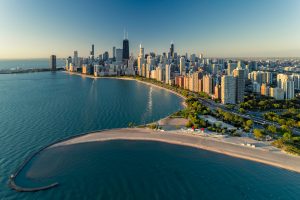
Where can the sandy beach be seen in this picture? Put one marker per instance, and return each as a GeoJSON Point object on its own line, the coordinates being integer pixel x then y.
{"type": "Point", "coordinates": [220, 145]}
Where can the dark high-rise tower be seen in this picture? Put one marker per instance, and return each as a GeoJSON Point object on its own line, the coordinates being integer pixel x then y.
{"type": "Point", "coordinates": [93, 50]}
{"type": "Point", "coordinates": [126, 48]}
{"type": "Point", "coordinates": [172, 50]}
{"type": "Point", "coordinates": [52, 62]}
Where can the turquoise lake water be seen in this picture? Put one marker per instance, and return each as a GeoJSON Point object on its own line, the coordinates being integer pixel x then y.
{"type": "Point", "coordinates": [40, 108]}
{"type": "Point", "coordinates": [28, 63]}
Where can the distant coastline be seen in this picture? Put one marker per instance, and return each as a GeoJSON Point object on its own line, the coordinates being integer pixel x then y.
{"type": "Point", "coordinates": [129, 79]}
{"type": "Point", "coordinates": [31, 70]}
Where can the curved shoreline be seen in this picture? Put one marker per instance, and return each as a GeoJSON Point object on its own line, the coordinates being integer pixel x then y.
{"type": "Point", "coordinates": [276, 159]}
{"type": "Point", "coordinates": [12, 183]}
{"type": "Point", "coordinates": [128, 79]}
{"type": "Point", "coordinates": [280, 160]}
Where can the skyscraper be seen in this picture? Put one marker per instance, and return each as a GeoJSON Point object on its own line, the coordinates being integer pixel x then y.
{"type": "Point", "coordinates": [286, 83]}
{"type": "Point", "coordinates": [168, 74]}
{"type": "Point", "coordinates": [239, 73]}
{"type": "Point", "coordinates": [114, 53]}
{"type": "Point", "coordinates": [76, 59]}
{"type": "Point", "coordinates": [52, 62]}
{"type": "Point", "coordinates": [207, 84]}
{"type": "Point", "coordinates": [172, 50]}
{"type": "Point", "coordinates": [182, 65]}
{"type": "Point", "coordinates": [119, 55]}
{"type": "Point", "coordinates": [289, 89]}
{"type": "Point", "coordinates": [93, 52]}
{"type": "Point", "coordinates": [126, 48]}
{"type": "Point", "coordinates": [228, 89]}
{"type": "Point", "coordinates": [140, 61]}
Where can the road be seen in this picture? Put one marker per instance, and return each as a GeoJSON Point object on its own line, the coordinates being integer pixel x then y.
{"type": "Point", "coordinates": [258, 120]}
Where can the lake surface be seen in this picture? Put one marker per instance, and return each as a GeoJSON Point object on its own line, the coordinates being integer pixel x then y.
{"type": "Point", "coordinates": [123, 169]}
{"type": "Point", "coordinates": [29, 63]}
{"type": "Point", "coordinates": [39, 108]}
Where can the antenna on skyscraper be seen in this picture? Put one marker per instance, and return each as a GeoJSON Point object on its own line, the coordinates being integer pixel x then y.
{"type": "Point", "coordinates": [127, 36]}
{"type": "Point", "coordinates": [124, 33]}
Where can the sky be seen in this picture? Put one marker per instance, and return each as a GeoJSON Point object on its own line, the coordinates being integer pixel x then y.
{"type": "Point", "coordinates": [216, 28]}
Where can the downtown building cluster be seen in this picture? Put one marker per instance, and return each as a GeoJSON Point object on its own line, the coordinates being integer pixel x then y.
{"type": "Point", "coordinates": [194, 73]}
{"type": "Point", "coordinates": [225, 80]}
{"type": "Point", "coordinates": [120, 63]}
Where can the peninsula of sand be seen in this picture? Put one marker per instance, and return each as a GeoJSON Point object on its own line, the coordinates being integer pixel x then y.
{"type": "Point", "coordinates": [220, 145]}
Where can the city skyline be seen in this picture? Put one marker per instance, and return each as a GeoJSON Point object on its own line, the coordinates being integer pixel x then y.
{"type": "Point", "coordinates": [214, 28]}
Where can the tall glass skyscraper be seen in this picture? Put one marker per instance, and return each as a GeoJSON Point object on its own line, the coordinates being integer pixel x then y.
{"type": "Point", "coordinates": [126, 49]}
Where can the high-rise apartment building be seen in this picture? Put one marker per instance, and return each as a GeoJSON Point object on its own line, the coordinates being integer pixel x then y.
{"type": "Point", "coordinates": [141, 60]}
{"type": "Point", "coordinates": [277, 93]}
{"type": "Point", "coordinates": [182, 65]}
{"type": "Point", "coordinates": [286, 83]}
{"type": "Point", "coordinates": [159, 73]}
{"type": "Point", "coordinates": [228, 89]}
{"type": "Point", "coordinates": [168, 74]}
{"type": "Point", "coordinates": [239, 73]}
{"type": "Point", "coordinates": [217, 92]}
{"type": "Point", "coordinates": [208, 84]}
{"type": "Point", "coordinates": [289, 89]}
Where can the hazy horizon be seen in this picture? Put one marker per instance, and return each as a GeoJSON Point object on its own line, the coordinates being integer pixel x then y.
{"type": "Point", "coordinates": [231, 29]}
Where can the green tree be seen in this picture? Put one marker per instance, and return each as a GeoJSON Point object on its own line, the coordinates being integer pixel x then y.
{"type": "Point", "coordinates": [287, 136]}
{"type": "Point", "coordinates": [258, 133]}
{"type": "Point", "coordinates": [242, 110]}
{"type": "Point", "coordinates": [249, 123]}
{"type": "Point", "coordinates": [285, 128]}
{"type": "Point", "coordinates": [272, 129]}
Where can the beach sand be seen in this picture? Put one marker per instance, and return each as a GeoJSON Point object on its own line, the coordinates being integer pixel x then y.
{"type": "Point", "coordinates": [220, 145]}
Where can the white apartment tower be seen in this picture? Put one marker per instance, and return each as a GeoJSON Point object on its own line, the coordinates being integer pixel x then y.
{"type": "Point", "coordinates": [168, 74]}
{"type": "Point", "coordinates": [141, 60]}
{"type": "Point", "coordinates": [228, 89]}
{"type": "Point", "coordinates": [182, 65]}
{"type": "Point", "coordinates": [239, 74]}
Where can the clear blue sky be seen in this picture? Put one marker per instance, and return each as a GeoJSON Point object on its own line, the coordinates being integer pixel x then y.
{"type": "Point", "coordinates": [38, 28]}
